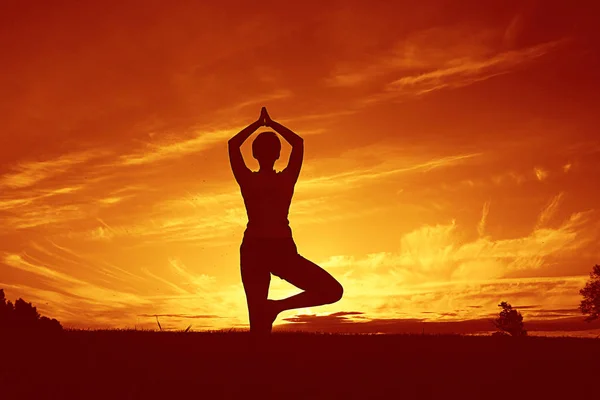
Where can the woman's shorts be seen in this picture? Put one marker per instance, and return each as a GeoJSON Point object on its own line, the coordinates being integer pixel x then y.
{"type": "Point", "coordinates": [268, 255]}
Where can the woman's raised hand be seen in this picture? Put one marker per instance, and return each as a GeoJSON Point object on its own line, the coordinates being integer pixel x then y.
{"type": "Point", "coordinates": [261, 119]}
{"type": "Point", "coordinates": [264, 119]}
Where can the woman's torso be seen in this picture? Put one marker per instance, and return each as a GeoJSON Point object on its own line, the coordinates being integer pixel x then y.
{"type": "Point", "coordinates": [267, 197]}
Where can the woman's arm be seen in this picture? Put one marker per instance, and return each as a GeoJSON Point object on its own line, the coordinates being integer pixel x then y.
{"type": "Point", "coordinates": [297, 143]}
{"type": "Point", "coordinates": [238, 166]}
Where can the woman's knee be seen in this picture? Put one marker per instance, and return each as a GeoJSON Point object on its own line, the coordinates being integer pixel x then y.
{"type": "Point", "coordinates": [335, 291]}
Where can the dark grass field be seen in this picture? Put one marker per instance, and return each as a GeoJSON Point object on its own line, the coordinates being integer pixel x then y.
{"type": "Point", "coordinates": [173, 365]}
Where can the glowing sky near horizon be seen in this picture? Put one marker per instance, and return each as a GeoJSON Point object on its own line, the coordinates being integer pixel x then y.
{"type": "Point", "coordinates": [451, 157]}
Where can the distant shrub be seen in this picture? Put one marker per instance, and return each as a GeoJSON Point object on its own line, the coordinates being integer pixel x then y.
{"type": "Point", "coordinates": [590, 304]}
{"type": "Point", "coordinates": [510, 321]}
{"type": "Point", "coordinates": [23, 315]}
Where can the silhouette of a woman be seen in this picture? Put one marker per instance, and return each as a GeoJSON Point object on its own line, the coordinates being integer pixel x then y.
{"type": "Point", "coordinates": [268, 247]}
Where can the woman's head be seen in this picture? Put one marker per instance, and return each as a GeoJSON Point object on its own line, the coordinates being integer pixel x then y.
{"type": "Point", "coordinates": [266, 147]}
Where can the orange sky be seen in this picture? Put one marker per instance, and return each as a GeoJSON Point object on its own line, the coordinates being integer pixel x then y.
{"type": "Point", "coordinates": [451, 158]}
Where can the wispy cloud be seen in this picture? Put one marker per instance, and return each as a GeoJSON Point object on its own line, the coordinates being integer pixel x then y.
{"type": "Point", "coordinates": [335, 323]}
{"type": "Point", "coordinates": [257, 102]}
{"type": "Point", "coordinates": [44, 214]}
{"type": "Point", "coordinates": [104, 295]}
{"type": "Point", "coordinates": [199, 282]}
{"type": "Point", "coordinates": [550, 210]}
{"type": "Point", "coordinates": [79, 288]}
{"type": "Point", "coordinates": [177, 147]}
{"type": "Point", "coordinates": [207, 216]}
{"type": "Point", "coordinates": [29, 173]}
{"type": "Point", "coordinates": [439, 58]}
{"type": "Point", "coordinates": [348, 179]}
{"type": "Point", "coordinates": [484, 214]}
{"type": "Point", "coordinates": [540, 173]}
{"type": "Point", "coordinates": [422, 50]}
{"type": "Point", "coordinates": [178, 289]}
{"type": "Point", "coordinates": [180, 316]}
{"type": "Point", "coordinates": [461, 72]}
{"type": "Point", "coordinates": [340, 317]}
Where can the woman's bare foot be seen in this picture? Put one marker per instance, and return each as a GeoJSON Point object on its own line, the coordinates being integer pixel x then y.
{"type": "Point", "coordinates": [271, 312]}
{"type": "Point", "coordinates": [268, 315]}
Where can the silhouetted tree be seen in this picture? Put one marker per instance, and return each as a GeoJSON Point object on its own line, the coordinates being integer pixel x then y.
{"type": "Point", "coordinates": [47, 324]}
{"type": "Point", "coordinates": [510, 320]}
{"type": "Point", "coordinates": [591, 295]}
{"type": "Point", "coordinates": [24, 315]}
{"type": "Point", "coordinates": [6, 310]}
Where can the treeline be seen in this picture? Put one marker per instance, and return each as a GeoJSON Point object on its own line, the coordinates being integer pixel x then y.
{"type": "Point", "coordinates": [23, 315]}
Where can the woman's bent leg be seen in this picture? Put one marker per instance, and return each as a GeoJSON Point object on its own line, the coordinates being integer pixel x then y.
{"type": "Point", "coordinates": [319, 286]}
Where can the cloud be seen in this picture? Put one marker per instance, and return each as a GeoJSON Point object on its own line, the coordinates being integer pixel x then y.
{"type": "Point", "coordinates": [194, 216]}
{"type": "Point", "coordinates": [540, 173]}
{"type": "Point", "coordinates": [177, 147]}
{"type": "Point", "coordinates": [257, 102]}
{"type": "Point", "coordinates": [44, 214]}
{"type": "Point", "coordinates": [440, 253]}
{"type": "Point", "coordinates": [418, 325]}
{"type": "Point", "coordinates": [462, 72]}
{"type": "Point", "coordinates": [550, 210]}
{"type": "Point", "coordinates": [103, 232]}
{"type": "Point", "coordinates": [180, 316]}
{"type": "Point", "coordinates": [440, 273]}
{"type": "Point", "coordinates": [71, 299]}
{"type": "Point", "coordinates": [484, 213]}
{"type": "Point", "coordinates": [169, 284]}
{"type": "Point", "coordinates": [29, 173]}
{"type": "Point", "coordinates": [112, 200]}
{"type": "Point", "coordinates": [426, 49]}
{"type": "Point", "coordinates": [358, 177]}
{"type": "Point", "coordinates": [513, 30]}
{"type": "Point", "coordinates": [71, 284]}
{"type": "Point", "coordinates": [189, 227]}
{"type": "Point", "coordinates": [320, 117]}
{"type": "Point", "coordinates": [20, 262]}
{"type": "Point", "coordinates": [326, 320]}
{"type": "Point", "coordinates": [509, 177]}
{"type": "Point", "coordinates": [440, 58]}
{"type": "Point", "coordinates": [88, 297]}
{"type": "Point", "coordinates": [200, 282]}
{"type": "Point", "coordinates": [341, 317]}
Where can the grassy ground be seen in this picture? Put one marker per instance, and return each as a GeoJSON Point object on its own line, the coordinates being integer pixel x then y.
{"type": "Point", "coordinates": [177, 365]}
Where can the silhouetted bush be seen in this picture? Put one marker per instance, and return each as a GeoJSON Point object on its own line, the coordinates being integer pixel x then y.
{"type": "Point", "coordinates": [591, 295]}
{"type": "Point", "coordinates": [23, 315]}
{"type": "Point", "coordinates": [510, 321]}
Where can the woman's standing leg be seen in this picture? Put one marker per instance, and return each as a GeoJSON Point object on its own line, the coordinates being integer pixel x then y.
{"type": "Point", "coordinates": [256, 279]}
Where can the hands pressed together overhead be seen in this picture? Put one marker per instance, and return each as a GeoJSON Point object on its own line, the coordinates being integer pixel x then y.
{"type": "Point", "coordinates": [235, 155]}
{"type": "Point", "coordinates": [288, 135]}
{"type": "Point", "coordinates": [264, 119]}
